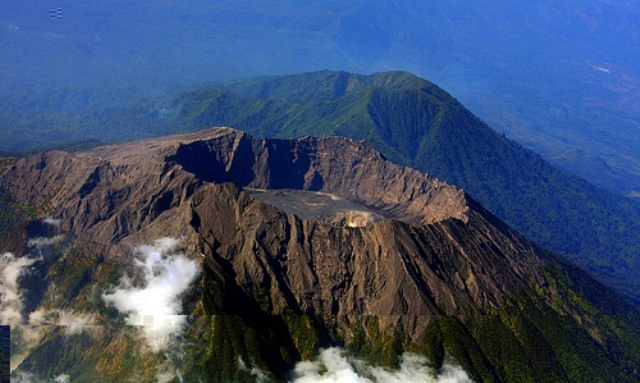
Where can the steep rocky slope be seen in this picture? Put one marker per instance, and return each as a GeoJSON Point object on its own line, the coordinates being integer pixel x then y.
{"type": "Point", "coordinates": [439, 276]}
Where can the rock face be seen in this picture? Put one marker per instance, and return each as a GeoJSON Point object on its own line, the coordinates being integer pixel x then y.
{"type": "Point", "coordinates": [393, 243]}
{"type": "Point", "coordinates": [420, 261]}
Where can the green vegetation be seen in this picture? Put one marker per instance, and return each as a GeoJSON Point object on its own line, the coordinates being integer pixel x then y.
{"type": "Point", "coordinates": [528, 341]}
{"type": "Point", "coordinates": [74, 271]}
{"type": "Point", "coordinates": [378, 346]}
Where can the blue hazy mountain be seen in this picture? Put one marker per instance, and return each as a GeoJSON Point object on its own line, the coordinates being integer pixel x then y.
{"type": "Point", "coordinates": [555, 75]}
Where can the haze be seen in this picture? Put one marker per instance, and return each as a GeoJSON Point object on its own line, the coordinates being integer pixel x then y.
{"type": "Point", "coordinates": [560, 77]}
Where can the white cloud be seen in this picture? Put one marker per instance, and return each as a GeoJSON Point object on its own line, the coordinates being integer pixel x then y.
{"type": "Point", "coordinates": [11, 268]}
{"type": "Point", "coordinates": [333, 366]}
{"type": "Point", "coordinates": [156, 306]}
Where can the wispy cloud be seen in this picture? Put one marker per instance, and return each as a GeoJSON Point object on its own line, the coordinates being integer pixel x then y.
{"type": "Point", "coordinates": [41, 322]}
{"type": "Point", "coordinates": [52, 221]}
{"type": "Point", "coordinates": [45, 241]}
{"type": "Point", "coordinates": [156, 306]}
{"type": "Point", "coordinates": [11, 303]}
{"type": "Point", "coordinates": [73, 323]}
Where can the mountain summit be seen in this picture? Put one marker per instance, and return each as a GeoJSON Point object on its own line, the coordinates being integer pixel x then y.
{"type": "Point", "coordinates": [301, 245]}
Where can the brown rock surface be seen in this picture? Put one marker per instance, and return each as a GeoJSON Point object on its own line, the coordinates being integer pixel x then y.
{"type": "Point", "coordinates": [437, 253]}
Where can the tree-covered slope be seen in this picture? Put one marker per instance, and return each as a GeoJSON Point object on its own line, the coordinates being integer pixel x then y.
{"type": "Point", "coordinates": [413, 122]}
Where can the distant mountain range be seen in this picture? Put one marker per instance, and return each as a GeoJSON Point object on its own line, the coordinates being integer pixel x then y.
{"type": "Point", "coordinates": [115, 245]}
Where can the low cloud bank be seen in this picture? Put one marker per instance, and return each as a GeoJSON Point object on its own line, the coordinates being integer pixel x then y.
{"type": "Point", "coordinates": [332, 365]}
{"type": "Point", "coordinates": [167, 274]}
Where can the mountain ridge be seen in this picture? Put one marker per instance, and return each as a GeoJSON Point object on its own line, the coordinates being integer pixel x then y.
{"type": "Point", "coordinates": [446, 283]}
